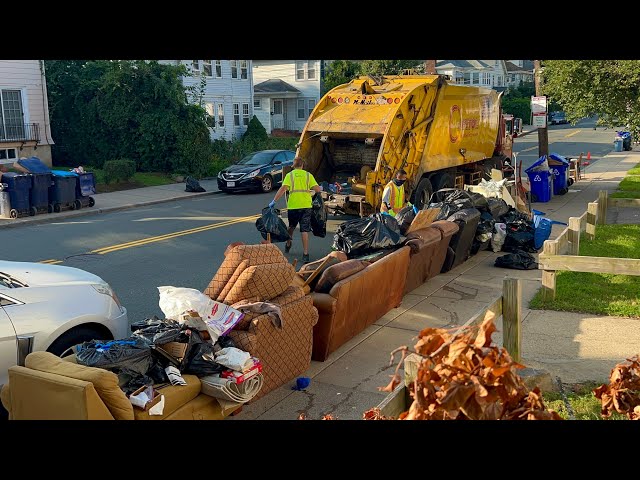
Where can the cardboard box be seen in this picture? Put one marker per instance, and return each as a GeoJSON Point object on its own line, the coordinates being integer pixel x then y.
{"type": "Point", "coordinates": [175, 349]}
{"type": "Point", "coordinates": [239, 377]}
{"type": "Point", "coordinates": [155, 399]}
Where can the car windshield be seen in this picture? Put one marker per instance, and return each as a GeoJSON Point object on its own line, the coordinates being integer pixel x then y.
{"type": "Point", "coordinates": [257, 158]}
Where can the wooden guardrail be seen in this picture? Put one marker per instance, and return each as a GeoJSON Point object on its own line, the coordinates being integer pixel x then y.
{"type": "Point", "coordinates": [563, 252]}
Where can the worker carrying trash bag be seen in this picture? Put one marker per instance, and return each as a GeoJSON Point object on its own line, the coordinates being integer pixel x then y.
{"type": "Point", "coordinates": [299, 183]}
{"type": "Point", "coordinates": [393, 195]}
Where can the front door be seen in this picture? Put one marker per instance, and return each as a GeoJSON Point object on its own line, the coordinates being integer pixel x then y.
{"type": "Point", "coordinates": [8, 347]}
{"type": "Point", "coordinates": [277, 119]}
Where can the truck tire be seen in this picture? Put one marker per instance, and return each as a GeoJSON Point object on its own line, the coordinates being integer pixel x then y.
{"type": "Point", "coordinates": [423, 193]}
{"type": "Point", "coordinates": [440, 181]}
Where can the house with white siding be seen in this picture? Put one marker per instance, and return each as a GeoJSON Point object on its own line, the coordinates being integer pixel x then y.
{"type": "Point", "coordinates": [24, 111]}
{"type": "Point", "coordinates": [519, 71]}
{"type": "Point", "coordinates": [285, 92]}
{"type": "Point", "coordinates": [227, 94]}
{"type": "Point", "coordinates": [484, 73]}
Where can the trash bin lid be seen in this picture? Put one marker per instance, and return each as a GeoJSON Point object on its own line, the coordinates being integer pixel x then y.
{"type": "Point", "coordinates": [62, 173]}
{"type": "Point", "coordinates": [559, 158]}
{"type": "Point", "coordinates": [34, 165]}
{"type": "Point", "coordinates": [537, 163]}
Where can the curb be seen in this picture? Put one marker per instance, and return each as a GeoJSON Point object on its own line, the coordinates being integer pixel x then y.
{"type": "Point", "coordinates": [523, 134]}
{"type": "Point", "coordinates": [93, 211]}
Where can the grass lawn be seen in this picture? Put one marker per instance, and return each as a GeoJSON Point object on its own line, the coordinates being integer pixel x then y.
{"type": "Point", "coordinates": [630, 184]}
{"type": "Point", "coordinates": [582, 400]}
{"type": "Point", "coordinates": [140, 179]}
{"type": "Point", "coordinates": [599, 293]}
{"type": "Point", "coordinates": [625, 195]}
{"type": "Point", "coordinates": [635, 170]}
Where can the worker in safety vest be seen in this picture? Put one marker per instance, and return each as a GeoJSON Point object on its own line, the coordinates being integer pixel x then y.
{"type": "Point", "coordinates": [393, 194]}
{"type": "Point", "coordinates": [300, 184]}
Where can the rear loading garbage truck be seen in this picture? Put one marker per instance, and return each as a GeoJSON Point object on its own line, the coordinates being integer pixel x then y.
{"type": "Point", "coordinates": [442, 134]}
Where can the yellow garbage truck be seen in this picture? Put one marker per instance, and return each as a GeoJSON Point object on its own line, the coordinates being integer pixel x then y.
{"type": "Point", "coordinates": [442, 134]}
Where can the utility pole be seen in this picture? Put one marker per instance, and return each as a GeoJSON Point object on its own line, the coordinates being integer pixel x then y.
{"type": "Point", "coordinates": [543, 133]}
{"type": "Point", "coordinates": [430, 67]}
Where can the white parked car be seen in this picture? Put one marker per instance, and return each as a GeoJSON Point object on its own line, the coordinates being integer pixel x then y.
{"type": "Point", "coordinates": [53, 308]}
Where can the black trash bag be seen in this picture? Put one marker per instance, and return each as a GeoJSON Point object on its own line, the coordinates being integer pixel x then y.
{"type": "Point", "coordinates": [318, 217]}
{"type": "Point", "coordinates": [497, 207]}
{"type": "Point", "coordinates": [375, 232]}
{"type": "Point", "coordinates": [225, 342]}
{"type": "Point", "coordinates": [193, 185]}
{"type": "Point", "coordinates": [200, 358]}
{"type": "Point", "coordinates": [519, 240]}
{"type": "Point", "coordinates": [486, 223]}
{"type": "Point", "coordinates": [519, 260]}
{"type": "Point", "coordinates": [514, 215]}
{"type": "Point", "coordinates": [270, 222]}
{"type": "Point", "coordinates": [479, 201]}
{"type": "Point", "coordinates": [405, 217]}
{"type": "Point", "coordinates": [131, 354]}
{"type": "Point", "coordinates": [484, 232]}
{"type": "Point", "coordinates": [159, 332]}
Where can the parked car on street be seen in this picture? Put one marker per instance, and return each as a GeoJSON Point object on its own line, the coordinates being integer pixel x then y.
{"type": "Point", "coordinates": [558, 118]}
{"type": "Point", "coordinates": [260, 171]}
{"type": "Point", "coordinates": [53, 308]}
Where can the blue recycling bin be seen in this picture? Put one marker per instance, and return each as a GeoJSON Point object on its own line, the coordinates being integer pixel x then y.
{"type": "Point", "coordinates": [62, 194]}
{"type": "Point", "coordinates": [39, 196]}
{"type": "Point", "coordinates": [560, 168]}
{"type": "Point", "coordinates": [626, 139]}
{"type": "Point", "coordinates": [85, 187]}
{"type": "Point", "coordinates": [617, 144]}
{"type": "Point", "coordinates": [541, 182]}
{"type": "Point", "coordinates": [18, 188]}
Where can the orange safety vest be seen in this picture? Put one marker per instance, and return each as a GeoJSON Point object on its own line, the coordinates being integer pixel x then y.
{"type": "Point", "coordinates": [396, 198]}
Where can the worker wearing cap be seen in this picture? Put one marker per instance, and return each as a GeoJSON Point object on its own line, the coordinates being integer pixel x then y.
{"type": "Point", "coordinates": [300, 184]}
{"type": "Point", "coordinates": [393, 194]}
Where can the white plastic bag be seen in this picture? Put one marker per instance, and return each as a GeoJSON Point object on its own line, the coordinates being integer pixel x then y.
{"type": "Point", "coordinates": [498, 238]}
{"type": "Point", "coordinates": [218, 317]}
{"type": "Point", "coordinates": [234, 358]}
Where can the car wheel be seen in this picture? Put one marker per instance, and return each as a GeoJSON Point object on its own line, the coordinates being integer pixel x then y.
{"type": "Point", "coordinates": [423, 193]}
{"type": "Point", "coordinates": [63, 345]}
{"type": "Point", "coordinates": [267, 184]}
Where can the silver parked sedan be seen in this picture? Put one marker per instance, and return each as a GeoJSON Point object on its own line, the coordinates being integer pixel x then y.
{"type": "Point", "coordinates": [52, 308]}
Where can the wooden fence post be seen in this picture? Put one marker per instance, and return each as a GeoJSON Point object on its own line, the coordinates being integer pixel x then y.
{"type": "Point", "coordinates": [512, 317]}
{"type": "Point", "coordinates": [549, 276]}
{"type": "Point", "coordinates": [592, 211]}
{"type": "Point", "coordinates": [574, 236]}
{"type": "Point", "coordinates": [602, 207]}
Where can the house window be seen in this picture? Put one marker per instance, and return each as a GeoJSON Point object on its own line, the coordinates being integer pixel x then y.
{"type": "Point", "coordinates": [466, 79]}
{"type": "Point", "coordinates": [11, 115]}
{"type": "Point", "coordinates": [486, 79]}
{"type": "Point", "coordinates": [218, 68]}
{"type": "Point", "coordinates": [234, 69]}
{"type": "Point", "coordinates": [211, 114]}
{"type": "Point", "coordinates": [311, 69]}
{"type": "Point", "coordinates": [475, 78]}
{"type": "Point", "coordinates": [277, 108]}
{"type": "Point", "coordinates": [195, 67]}
{"type": "Point", "coordinates": [244, 69]}
{"type": "Point", "coordinates": [311, 103]}
{"type": "Point", "coordinates": [236, 114]}
{"type": "Point", "coordinates": [7, 153]}
{"type": "Point", "coordinates": [245, 114]}
{"type": "Point", "coordinates": [206, 68]}
{"type": "Point", "coordinates": [301, 115]}
{"type": "Point", "coordinates": [499, 80]}
{"type": "Point", "coordinates": [257, 104]}
{"type": "Point", "coordinates": [221, 114]}
{"type": "Point", "coordinates": [299, 70]}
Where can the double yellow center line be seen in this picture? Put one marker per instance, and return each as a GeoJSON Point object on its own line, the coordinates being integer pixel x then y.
{"type": "Point", "coordinates": [160, 238]}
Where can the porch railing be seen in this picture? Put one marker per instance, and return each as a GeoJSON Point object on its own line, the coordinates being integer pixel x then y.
{"type": "Point", "coordinates": [22, 132]}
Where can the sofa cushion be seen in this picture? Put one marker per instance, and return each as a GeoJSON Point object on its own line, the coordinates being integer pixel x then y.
{"type": "Point", "coordinates": [104, 381]}
{"type": "Point", "coordinates": [261, 282]}
{"type": "Point", "coordinates": [335, 273]}
{"type": "Point", "coordinates": [426, 235]}
{"type": "Point", "coordinates": [446, 227]}
{"type": "Point", "coordinates": [175, 396]}
{"type": "Point", "coordinates": [291, 294]}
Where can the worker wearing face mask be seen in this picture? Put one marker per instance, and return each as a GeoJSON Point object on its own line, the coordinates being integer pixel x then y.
{"type": "Point", "coordinates": [393, 194]}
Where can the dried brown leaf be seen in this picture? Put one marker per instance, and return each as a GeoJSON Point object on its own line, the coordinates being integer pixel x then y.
{"type": "Point", "coordinates": [484, 335]}
{"type": "Point", "coordinates": [328, 416]}
{"type": "Point", "coordinates": [395, 381]}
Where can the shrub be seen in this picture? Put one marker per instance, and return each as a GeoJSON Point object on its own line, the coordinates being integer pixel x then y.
{"type": "Point", "coordinates": [255, 131]}
{"type": "Point", "coordinates": [119, 170]}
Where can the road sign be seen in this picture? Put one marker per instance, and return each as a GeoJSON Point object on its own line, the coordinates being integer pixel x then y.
{"type": "Point", "coordinates": [538, 105]}
{"type": "Point", "coordinates": [540, 120]}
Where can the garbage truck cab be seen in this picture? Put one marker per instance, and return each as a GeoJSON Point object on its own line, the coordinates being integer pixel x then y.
{"type": "Point", "coordinates": [441, 134]}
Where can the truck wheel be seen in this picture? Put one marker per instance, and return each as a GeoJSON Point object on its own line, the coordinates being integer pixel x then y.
{"type": "Point", "coordinates": [423, 193]}
{"type": "Point", "coordinates": [440, 181]}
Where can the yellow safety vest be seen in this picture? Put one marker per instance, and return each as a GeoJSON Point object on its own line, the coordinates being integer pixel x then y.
{"type": "Point", "coordinates": [396, 198]}
{"type": "Point", "coordinates": [300, 194]}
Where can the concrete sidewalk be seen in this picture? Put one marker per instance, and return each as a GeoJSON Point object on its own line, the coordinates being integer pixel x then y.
{"type": "Point", "coordinates": [120, 200]}
{"type": "Point", "coordinates": [575, 347]}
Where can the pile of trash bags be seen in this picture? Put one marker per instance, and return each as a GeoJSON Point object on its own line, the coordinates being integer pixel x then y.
{"type": "Point", "coordinates": [363, 235]}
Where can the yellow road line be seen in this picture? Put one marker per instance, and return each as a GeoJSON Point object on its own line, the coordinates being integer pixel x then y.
{"type": "Point", "coordinates": [572, 134]}
{"type": "Point", "coordinates": [51, 262]}
{"type": "Point", "coordinates": [169, 236]}
{"type": "Point", "coordinates": [528, 149]}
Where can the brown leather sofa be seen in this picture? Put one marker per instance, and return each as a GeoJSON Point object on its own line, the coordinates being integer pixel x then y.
{"type": "Point", "coordinates": [51, 388]}
{"type": "Point", "coordinates": [357, 301]}
{"type": "Point", "coordinates": [428, 251]}
{"type": "Point", "coordinates": [259, 273]}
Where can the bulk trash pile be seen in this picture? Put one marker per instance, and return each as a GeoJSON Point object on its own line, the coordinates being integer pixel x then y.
{"type": "Point", "coordinates": [363, 235]}
{"type": "Point", "coordinates": [462, 376]}
{"type": "Point", "coordinates": [192, 339]}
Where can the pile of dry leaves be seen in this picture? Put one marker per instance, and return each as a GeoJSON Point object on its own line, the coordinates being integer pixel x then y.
{"type": "Point", "coordinates": [622, 395]}
{"type": "Point", "coordinates": [462, 377]}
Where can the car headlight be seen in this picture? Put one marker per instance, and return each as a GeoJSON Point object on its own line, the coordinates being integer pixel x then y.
{"type": "Point", "coordinates": [253, 174]}
{"type": "Point", "coordinates": [105, 289]}
{"type": "Point", "coordinates": [220, 174]}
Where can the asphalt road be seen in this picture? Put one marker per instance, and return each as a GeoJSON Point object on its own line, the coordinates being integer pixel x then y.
{"type": "Point", "coordinates": [182, 243]}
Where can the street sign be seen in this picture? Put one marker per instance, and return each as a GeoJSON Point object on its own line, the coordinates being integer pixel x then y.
{"type": "Point", "coordinates": [538, 105]}
{"type": "Point", "coordinates": [540, 120]}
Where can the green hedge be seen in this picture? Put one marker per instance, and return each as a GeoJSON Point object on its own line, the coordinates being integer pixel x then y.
{"type": "Point", "coordinates": [119, 170]}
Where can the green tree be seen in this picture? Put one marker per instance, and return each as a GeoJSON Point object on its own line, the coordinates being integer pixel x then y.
{"type": "Point", "coordinates": [339, 72]}
{"type": "Point", "coordinates": [609, 89]}
{"type": "Point", "coordinates": [103, 110]}
{"type": "Point", "coordinates": [255, 131]}
{"type": "Point", "coordinates": [387, 67]}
